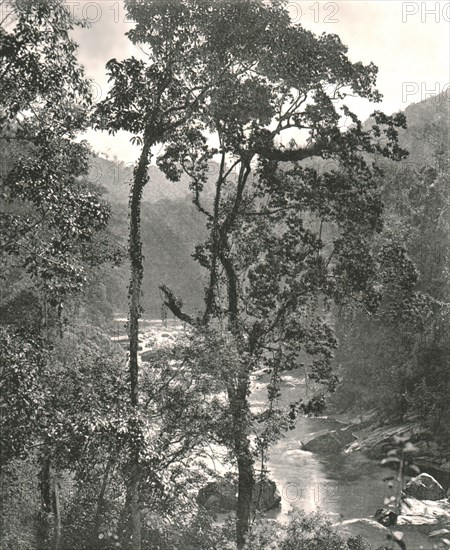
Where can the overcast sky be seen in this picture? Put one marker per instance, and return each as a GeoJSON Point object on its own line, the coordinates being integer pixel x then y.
{"type": "Point", "coordinates": [408, 41]}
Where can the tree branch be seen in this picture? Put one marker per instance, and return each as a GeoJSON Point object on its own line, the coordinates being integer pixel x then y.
{"type": "Point", "coordinates": [290, 155]}
{"type": "Point", "coordinates": [175, 305]}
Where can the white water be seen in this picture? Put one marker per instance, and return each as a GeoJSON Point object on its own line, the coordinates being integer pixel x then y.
{"type": "Point", "coordinates": [346, 486]}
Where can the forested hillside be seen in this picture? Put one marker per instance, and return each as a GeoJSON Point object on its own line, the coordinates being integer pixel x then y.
{"type": "Point", "coordinates": [172, 225]}
{"type": "Point", "coordinates": [398, 359]}
{"type": "Point", "coordinates": [307, 285]}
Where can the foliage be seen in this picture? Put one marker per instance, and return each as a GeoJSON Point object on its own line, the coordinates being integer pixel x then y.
{"type": "Point", "coordinates": [284, 239]}
{"type": "Point", "coordinates": [18, 505]}
{"type": "Point", "coordinates": [301, 532]}
{"type": "Point", "coordinates": [22, 361]}
{"type": "Point", "coordinates": [53, 231]}
{"type": "Point", "coordinates": [401, 352]}
{"type": "Point", "coordinates": [66, 406]}
{"type": "Point", "coordinates": [39, 64]}
{"type": "Point", "coordinates": [49, 212]}
{"type": "Point", "coordinates": [118, 460]}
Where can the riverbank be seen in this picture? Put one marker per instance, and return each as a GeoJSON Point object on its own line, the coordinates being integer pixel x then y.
{"type": "Point", "coordinates": [347, 485]}
{"type": "Point", "coordinates": [373, 437]}
{"type": "Point", "coordinates": [360, 441]}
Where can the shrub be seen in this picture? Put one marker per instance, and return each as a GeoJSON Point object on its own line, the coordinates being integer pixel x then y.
{"type": "Point", "coordinates": [302, 532]}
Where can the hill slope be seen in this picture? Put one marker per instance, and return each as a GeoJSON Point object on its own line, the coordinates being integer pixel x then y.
{"type": "Point", "coordinates": [171, 225]}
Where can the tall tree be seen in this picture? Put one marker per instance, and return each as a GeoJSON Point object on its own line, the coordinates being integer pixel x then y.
{"type": "Point", "coordinates": [49, 213]}
{"type": "Point", "coordinates": [228, 69]}
{"type": "Point", "coordinates": [286, 236]}
{"type": "Point", "coordinates": [191, 51]}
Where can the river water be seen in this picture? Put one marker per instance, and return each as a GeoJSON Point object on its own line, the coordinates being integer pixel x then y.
{"type": "Point", "coordinates": [346, 486]}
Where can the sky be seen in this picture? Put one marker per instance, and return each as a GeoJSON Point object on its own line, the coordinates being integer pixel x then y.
{"type": "Point", "coordinates": [409, 41]}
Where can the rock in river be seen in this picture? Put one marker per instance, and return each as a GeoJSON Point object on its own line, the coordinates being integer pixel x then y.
{"type": "Point", "coordinates": [424, 512]}
{"type": "Point", "coordinates": [266, 495]}
{"type": "Point", "coordinates": [329, 442]}
{"type": "Point", "coordinates": [378, 535]}
{"type": "Point", "coordinates": [366, 528]}
{"type": "Point", "coordinates": [221, 496]}
{"type": "Point", "coordinates": [424, 487]}
{"type": "Point", "coordinates": [386, 517]}
{"type": "Point", "coordinates": [218, 496]}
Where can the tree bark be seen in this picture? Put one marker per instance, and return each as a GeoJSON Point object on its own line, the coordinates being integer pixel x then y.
{"type": "Point", "coordinates": [50, 505]}
{"type": "Point", "coordinates": [245, 491]}
{"type": "Point", "coordinates": [136, 261]}
{"type": "Point", "coordinates": [240, 410]}
{"type": "Point", "coordinates": [244, 457]}
{"type": "Point", "coordinates": [56, 512]}
{"type": "Point", "coordinates": [136, 535]}
{"type": "Point", "coordinates": [43, 520]}
{"type": "Point", "coordinates": [101, 504]}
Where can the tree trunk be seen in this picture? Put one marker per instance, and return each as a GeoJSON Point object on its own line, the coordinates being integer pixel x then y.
{"type": "Point", "coordinates": [245, 491]}
{"type": "Point", "coordinates": [135, 254]}
{"type": "Point", "coordinates": [240, 409]}
{"type": "Point", "coordinates": [136, 540]}
{"type": "Point", "coordinates": [50, 505]}
{"type": "Point", "coordinates": [56, 512]}
{"type": "Point", "coordinates": [101, 504]}
{"type": "Point", "coordinates": [244, 463]}
{"type": "Point", "coordinates": [43, 519]}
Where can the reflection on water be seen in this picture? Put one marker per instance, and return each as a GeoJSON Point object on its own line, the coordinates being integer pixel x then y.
{"type": "Point", "coordinates": [345, 485]}
{"type": "Point", "coordinates": [349, 486]}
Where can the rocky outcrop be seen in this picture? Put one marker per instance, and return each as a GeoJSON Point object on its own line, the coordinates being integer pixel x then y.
{"type": "Point", "coordinates": [218, 496]}
{"type": "Point", "coordinates": [329, 441]}
{"type": "Point", "coordinates": [424, 512]}
{"type": "Point", "coordinates": [424, 487]}
{"type": "Point", "coordinates": [375, 442]}
{"type": "Point", "coordinates": [221, 496]}
{"type": "Point", "coordinates": [374, 439]}
{"type": "Point", "coordinates": [368, 529]}
{"type": "Point", "coordinates": [359, 420]}
{"type": "Point", "coordinates": [379, 536]}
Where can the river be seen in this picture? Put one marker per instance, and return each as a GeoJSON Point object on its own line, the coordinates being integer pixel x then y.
{"type": "Point", "coordinates": [345, 486]}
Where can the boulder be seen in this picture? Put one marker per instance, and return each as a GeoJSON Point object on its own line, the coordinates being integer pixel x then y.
{"type": "Point", "coordinates": [329, 442]}
{"type": "Point", "coordinates": [368, 529]}
{"type": "Point", "coordinates": [221, 496]}
{"type": "Point", "coordinates": [378, 536]}
{"type": "Point", "coordinates": [266, 495]}
{"type": "Point", "coordinates": [424, 512]}
{"type": "Point", "coordinates": [376, 442]}
{"type": "Point", "coordinates": [386, 517]}
{"type": "Point", "coordinates": [424, 487]}
{"type": "Point", "coordinates": [218, 496]}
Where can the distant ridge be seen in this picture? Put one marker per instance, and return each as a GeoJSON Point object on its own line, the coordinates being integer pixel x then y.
{"type": "Point", "coordinates": [171, 225]}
